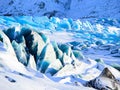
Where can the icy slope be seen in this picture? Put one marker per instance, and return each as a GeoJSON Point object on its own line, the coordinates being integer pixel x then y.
{"type": "Point", "coordinates": [19, 78]}
{"type": "Point", "coordinates": [61, 8]}
{"type": "Point", "coordinates": [15, 76]}
{"type": "Point", "coordinates": [67, 51]}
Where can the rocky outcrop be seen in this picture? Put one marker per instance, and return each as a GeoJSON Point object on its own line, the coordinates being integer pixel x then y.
{"type": "Point", "coordinates": [106, 81]}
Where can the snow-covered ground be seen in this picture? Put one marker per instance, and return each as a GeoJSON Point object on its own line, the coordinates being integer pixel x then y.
{"type": "Point", "coordinates": [61, 8]}
{"type": "Point", "coordinates": [42, 53]}
{"type": "Point", "coordinates": [14, 76]}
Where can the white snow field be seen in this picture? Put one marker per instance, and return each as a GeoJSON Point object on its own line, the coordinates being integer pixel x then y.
{"type": "Point", "coordinates": [38, 53]}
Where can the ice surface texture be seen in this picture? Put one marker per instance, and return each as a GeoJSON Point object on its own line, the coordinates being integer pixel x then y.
{"type": "Point", "coordinates": [64, 62]}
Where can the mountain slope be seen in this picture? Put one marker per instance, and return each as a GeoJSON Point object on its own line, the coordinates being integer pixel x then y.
{"type": "Point", "coordinates": [62, 8]}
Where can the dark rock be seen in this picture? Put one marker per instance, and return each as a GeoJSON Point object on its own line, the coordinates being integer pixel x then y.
{"type": "Point", "coordinates": [10, 79]}
{"type": "Point", "coordinates": [106, 81]}
{"type": "Point", "coordinates": [51, 14]}
{"type": "Point", "coordinates": [41, 5]}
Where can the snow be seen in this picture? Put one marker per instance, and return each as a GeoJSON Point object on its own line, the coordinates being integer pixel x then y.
{"type": "Point", "coordinates": [68, 52]}
{"type": "Point", "coordinates": [32, 83]}
{"type": "Point", "coordinates": [75, 9]}
{"type": "Point", "coordinates": [13, 75]}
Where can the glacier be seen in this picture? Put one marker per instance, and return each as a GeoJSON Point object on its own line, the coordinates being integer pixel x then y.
{"type": "Point", "coordinates": [82, 53]}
